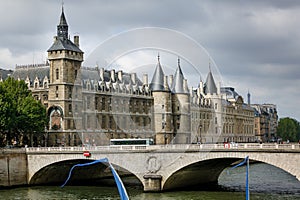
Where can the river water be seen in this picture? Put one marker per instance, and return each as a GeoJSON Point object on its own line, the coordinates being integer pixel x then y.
{"type": "Point", "coordinates": [266, 182]}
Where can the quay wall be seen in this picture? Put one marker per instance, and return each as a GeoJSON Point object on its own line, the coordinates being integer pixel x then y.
{"type": "Point", "coordinates": [13, 167]}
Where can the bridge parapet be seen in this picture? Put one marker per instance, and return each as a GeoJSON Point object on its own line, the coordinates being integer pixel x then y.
{"type": "Point", "coordinates": [175, 147]}
{"type": "Point", "coordinates": [154, 165]}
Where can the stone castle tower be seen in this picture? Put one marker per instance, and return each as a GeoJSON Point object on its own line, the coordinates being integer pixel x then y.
{"type": "Point", "coordinates": [171, 107]}
{"type": "Point", "coordinates": [65, 58]}
{"type": "Point", "coordinates": [162, 106]}
{"type": "Point", "coordinates": [181, 107]}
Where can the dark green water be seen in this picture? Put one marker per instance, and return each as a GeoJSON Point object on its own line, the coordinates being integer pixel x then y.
{"type": "Point", "coordinates": [266, 182]}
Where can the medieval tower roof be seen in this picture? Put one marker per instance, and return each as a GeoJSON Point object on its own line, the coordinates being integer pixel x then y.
{"type": "Point", "coordinates": [210, 85]}
{"type": "Point", "coordinates": [177, 85]}
{"type": "Point", "coordinates": [61, 41]}
{"type": "Point", "coordinates": [157, 83]}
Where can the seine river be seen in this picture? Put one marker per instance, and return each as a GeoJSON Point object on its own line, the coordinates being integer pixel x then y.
{"type": "Point", "coordinates": [266, 182]}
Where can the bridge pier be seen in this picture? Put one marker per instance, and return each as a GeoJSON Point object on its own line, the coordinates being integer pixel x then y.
{"type": "Point", "coordinates": [152, 183]}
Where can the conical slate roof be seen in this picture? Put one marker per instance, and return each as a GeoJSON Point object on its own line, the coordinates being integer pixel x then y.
{"type": "Point", "coordinates": [210, 85]}
{"type": "Point", "coordinates": [177, 85]}
{"type": "Point", "coordinates": [157, 83]}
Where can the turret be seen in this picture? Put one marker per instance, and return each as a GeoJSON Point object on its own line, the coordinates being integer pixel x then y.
{"type": "Point", "coordinates": [162, 106]}
{"type": "Point", "coordinates": [181, 107]}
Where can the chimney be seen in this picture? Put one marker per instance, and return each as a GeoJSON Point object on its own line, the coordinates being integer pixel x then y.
{"type": "Point", "coordinates": [185, 86]}
{"type": "Point", "coordinates": [133, 78]}
{"type": "Point", "coordinates": [120, 76]}
{"type": "Point", "coordinates": [191, 92]}
{"type": "Point", "coordinates": [112, 76]}
{"type": "Point", "coordinates": [76, 40]}
{"type": "Point", "coordinates": [102, 74]}
{"type": "Point", "coordinates": [219, 88]}
{"type": "Point", "coordinates": [201, 87]}
{"type": "Point", "coordinates": [166, 86]}
{"type": "Point", "coordinates": [171, 80]}
{"type": "Point", "coordinates": [145, 79]}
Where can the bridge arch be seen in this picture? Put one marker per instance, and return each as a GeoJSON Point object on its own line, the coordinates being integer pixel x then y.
{"type": "Point", "coordinates": [205, 169]}
{"type": "Point", "coordinates": [56, 170]}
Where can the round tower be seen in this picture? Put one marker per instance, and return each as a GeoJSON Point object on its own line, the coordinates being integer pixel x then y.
{"type": "Point", "coordinates": [162, 106]}
{"type": "Point", "coordinates": [181, 108]}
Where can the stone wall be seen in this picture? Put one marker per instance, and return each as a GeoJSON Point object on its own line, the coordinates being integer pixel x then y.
{"type": "Point", "coordinates": [13, 167]}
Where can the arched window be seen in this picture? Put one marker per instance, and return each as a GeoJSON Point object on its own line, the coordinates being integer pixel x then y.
{"type": "Point", "coordinates": [57, 74]}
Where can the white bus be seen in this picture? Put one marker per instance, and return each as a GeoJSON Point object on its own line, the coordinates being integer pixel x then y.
{"type": "Point", "coordinates": [131, 141]}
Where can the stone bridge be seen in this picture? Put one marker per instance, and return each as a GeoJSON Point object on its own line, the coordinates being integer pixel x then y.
{"type": "Point", "coordinates": [157, 167]}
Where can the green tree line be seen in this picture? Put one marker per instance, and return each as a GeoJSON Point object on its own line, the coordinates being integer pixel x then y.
{"type": "Point", "coordinates": [22, 118]}
{"type": "Point", "coordinates": [288, 129]}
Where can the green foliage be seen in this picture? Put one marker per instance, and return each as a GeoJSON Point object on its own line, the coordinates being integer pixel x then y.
{"type": "Point", "coordinates": [20, 114]}
{"type": "Point", "coordinates": [289, 129]}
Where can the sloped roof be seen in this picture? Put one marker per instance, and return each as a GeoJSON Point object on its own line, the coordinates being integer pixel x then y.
{"type": "Point", "coordinates": [64, 44]}
{"type": "Point", "coordinates": [230, 92]}
{"type": "Point", "coordinates": [4, 73]}
{"type": "Point", "coordinates": [177, 85]}
{"type": "Point", "coordinates": [32, 71]}
{"type": "Point", "coordinates": [210, 85]}
{"type": "Point", "coordinates": [157, 83]}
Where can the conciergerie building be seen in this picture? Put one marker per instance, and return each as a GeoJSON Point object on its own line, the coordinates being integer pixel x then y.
{"type": "Point", "coordinates": [91, 105]}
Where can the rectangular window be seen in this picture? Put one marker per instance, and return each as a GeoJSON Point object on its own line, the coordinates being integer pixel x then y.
{"type": "Point", "coordinates": [70, 108]}
{"type": "Point", "coordinates": [96, 103]}
{"type": "Point", "coordinates": [56, 91]}
{"type": "Point", "coordinates": [88, 103]}
{"type": "Point", "coordinates": [57, 74]}
{"type": "Point", "coordinates": [70, 92]}
{"type": "Point", "coordinates": [103, 124]}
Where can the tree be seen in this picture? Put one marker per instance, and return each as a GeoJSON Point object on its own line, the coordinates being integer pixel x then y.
{"type": "Point", "coordinates": [289, 129]}
{"type": "Point", "coordinates": [20, 114]}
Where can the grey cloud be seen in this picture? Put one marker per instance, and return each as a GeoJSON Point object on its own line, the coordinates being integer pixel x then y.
{"type": "Point", "coordinates": [254, 43]}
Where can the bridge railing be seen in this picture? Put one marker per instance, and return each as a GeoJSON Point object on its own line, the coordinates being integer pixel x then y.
{"type": "Point", "coordinates": [245, 146]}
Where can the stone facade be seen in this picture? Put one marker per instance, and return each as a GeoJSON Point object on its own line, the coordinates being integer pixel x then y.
{"type": "Point", "coordinates": [89, 106]}
{"type": "Point", "coordinates": [266, 122]}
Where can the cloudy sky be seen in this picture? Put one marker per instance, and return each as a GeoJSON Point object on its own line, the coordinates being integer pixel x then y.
{"type": "Point", "coordinates": [254, 45]}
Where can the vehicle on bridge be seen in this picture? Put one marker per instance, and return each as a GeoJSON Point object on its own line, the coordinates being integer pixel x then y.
{"type": "Point", "coordinates": [131, 141]}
